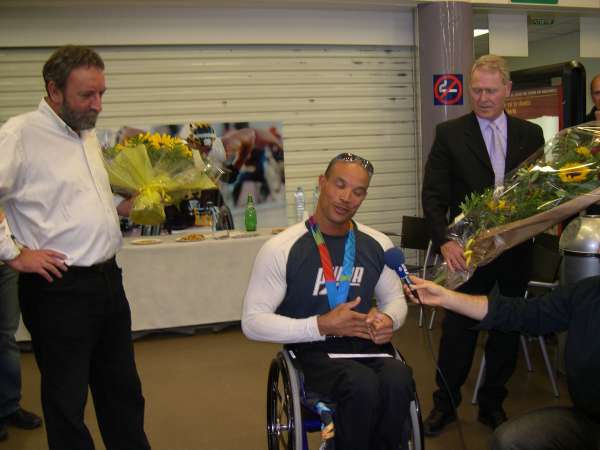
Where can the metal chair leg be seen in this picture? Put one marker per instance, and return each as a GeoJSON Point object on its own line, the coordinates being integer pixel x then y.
{"type": "Point", "coordinates": [432, 318]}
{"type": "Point", "coordinates": [548, 366]}
{"type": "Point", "coordinates": [479, 380]}
{"type": "Point", "coordinates": [526, 354]}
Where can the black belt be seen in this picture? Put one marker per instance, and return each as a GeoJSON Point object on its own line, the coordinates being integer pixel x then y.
{"type": "Point", "coordinates": [101, 267]}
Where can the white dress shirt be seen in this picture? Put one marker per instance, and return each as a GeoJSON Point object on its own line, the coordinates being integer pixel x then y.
{"type": "Point", "coordinates": [55, 189]}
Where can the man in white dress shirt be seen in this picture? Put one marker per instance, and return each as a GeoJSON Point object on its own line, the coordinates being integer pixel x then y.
{"type": "Point", "coordinates": [60, 208]}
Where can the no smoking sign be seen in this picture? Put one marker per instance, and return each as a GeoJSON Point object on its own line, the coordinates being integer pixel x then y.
{"type": "Point", "coordinates": [448, 89]}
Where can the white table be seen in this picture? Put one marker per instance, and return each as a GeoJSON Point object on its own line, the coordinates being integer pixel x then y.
{"type": "Point", "coordinates": [181, 284]}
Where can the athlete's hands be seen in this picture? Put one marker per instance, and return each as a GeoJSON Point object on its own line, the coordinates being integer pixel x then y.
{"type": "Point", "coordinates": [380, 326]}
{"type": "Point", "coordinates": [343, 321]}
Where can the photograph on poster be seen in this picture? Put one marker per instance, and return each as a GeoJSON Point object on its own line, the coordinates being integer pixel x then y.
{"type": "Point", "coordinates": [248, 157]}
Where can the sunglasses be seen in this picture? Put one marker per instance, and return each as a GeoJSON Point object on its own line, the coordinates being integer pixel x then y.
{"type": "Point", "coordinates": [351, 157]}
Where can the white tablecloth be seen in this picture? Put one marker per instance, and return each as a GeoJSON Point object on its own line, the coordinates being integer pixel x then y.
{"type": "Point", "coordinates": [179, 284]}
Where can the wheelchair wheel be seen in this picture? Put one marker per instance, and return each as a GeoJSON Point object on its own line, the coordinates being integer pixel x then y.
{"type": "Point", "coordinates": [413, 438]}
{"type": "Point", "coordinates": [284, 421]}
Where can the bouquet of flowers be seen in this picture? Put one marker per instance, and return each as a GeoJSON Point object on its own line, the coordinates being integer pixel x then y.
{"type": "Point", "coordinates": [556, 182]}
{"type": "Point", "coordinates": [159, 169]}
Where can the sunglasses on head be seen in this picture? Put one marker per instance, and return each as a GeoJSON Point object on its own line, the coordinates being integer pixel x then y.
{"type": "Point", "coordinates": [351, 157]}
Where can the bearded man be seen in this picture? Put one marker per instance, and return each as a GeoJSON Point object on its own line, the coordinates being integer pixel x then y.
{"type": "Point", "coordinates": [59, 206]}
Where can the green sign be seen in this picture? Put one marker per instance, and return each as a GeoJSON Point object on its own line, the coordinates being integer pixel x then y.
{"type": "Point", "coordinates": [538, 2]}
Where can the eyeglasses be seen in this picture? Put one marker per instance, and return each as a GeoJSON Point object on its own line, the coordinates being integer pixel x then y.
{"type": "Point", "coordinates": [351, 157]}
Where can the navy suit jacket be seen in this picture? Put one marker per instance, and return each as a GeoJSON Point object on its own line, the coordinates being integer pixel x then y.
{"type": "Point", "coordinates": [459, 164]}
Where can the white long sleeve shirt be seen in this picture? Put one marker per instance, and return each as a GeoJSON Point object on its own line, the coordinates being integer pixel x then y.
{"type": "Point", "coordinates": [55, 189]}
{"type": "Point", "coordinates": [286, 292]}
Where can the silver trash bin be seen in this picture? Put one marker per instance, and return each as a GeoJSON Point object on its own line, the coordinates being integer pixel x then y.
{"type": "Point", "coordinates": [580, 247]}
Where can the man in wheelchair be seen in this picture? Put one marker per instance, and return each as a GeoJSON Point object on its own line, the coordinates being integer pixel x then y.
{"type": "Point", "coordinates": [312, 287]}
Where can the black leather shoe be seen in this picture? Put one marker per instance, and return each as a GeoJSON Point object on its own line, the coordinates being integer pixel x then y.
{"type": "Point", "coordinates": [493, 418]}
{"type": "Point", "coordinates": [436, 421]}
{"type": "Point", "coordinates": [23, 419]}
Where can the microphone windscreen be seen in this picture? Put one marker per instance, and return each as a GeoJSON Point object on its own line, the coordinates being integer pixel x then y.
{"type": "Point", "coordinates": [393, 258]}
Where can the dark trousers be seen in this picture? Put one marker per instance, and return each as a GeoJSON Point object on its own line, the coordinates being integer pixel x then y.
{"type": "Point", "coordinates": [553, 428]}
{"type": "Point", "coordinates": [372, 395]}
{"type": "Point", "coordinates": [80, 328]}
{"type": "Point", "coordinates": [458, 342]}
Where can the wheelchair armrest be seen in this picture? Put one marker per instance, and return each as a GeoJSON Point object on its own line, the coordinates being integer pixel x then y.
{"type": "Point", "coordinates": [543, 284]}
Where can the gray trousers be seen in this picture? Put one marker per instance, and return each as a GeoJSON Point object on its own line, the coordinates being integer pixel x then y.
{"type": "Point", "coordinates": [10, 358]}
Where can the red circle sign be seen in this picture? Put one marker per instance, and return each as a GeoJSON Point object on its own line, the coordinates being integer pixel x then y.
{"type": "Point", "coordinates": [448, 89]}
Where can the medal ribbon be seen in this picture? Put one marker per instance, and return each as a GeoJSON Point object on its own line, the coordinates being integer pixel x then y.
{"type": "Point", "coordinates": [337, 292]}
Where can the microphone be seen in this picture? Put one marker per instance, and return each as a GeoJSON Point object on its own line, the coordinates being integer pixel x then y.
{"type": "Point", "coordinates": [394, 259]}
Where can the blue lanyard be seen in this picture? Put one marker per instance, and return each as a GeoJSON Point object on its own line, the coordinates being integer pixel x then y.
{"type": "Point", "coordinates": [337, 291]}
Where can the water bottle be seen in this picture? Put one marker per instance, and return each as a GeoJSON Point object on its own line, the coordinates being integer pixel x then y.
{"type": "Point", "coordinates": [299, 195]}
{"type": "Point", "coordinates": [250, 214]}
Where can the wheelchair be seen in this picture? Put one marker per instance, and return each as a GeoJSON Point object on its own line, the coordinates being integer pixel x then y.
{"type": "Point", "coordinates": [291, 412]}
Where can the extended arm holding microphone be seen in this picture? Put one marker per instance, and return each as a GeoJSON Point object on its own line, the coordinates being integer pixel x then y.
{"type": "Point", "coordinates": [394, 259]}
{"type": "Point", "coordinates": [474, 306]}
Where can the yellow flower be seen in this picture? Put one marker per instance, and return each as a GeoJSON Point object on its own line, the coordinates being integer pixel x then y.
{"type": "Point", "coordinates": [571, 172]}
{"type": "Point", "coordinates": [154, 140]}
{"type": "Point", "coordinates": [468, 255]}
{"type": "Point", "coordinates": [158, 144]}
{"type": "Point", "coordinates": [498, 205]}
{"type": "Point", "coordinates": [583, 151]}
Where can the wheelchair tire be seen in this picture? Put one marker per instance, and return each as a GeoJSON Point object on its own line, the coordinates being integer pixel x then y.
{"type": "Point", "coordinates": [284, 420]}
{"type": "Point", "coordinates": [414, 437]}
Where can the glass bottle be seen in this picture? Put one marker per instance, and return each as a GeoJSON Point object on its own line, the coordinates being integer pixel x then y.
{"type": "Point", "coordinates": [300, 204]}
{"type": "Point", "coordinates": [250, 214]}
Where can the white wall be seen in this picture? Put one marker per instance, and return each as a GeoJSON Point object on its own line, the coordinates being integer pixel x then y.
{"type": "Point", "coordinates": [161, 25]}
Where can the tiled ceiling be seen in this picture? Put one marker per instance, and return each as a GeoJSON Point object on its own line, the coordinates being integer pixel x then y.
{"type": "Point", "coordinates": [562, 24]}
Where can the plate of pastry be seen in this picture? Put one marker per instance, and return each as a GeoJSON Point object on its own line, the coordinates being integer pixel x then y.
{"type": "Point", "coordinates": [191, 237]}
{"type": "Point", "coordinates": [146, 241]}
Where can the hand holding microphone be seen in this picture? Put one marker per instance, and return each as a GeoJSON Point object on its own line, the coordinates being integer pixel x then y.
{"type": "Point", "coordinates": [429, 294]}
{"type": "Point", "coordinates": [394, 259]}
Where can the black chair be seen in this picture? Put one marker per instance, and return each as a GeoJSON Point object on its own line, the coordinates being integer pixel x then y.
{"type": "Point", "coordinates": [415, 236]}
{"type": "Point", "coordinates": [292, 412]}
{"type": "Point", "coordinates": [544, 277]}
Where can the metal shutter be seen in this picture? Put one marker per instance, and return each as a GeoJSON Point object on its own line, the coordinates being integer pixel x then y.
{"type": "Point", "coordinates": [330, 99]}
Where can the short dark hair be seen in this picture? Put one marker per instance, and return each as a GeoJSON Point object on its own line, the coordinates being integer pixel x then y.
{"type": "Point", "coordinates": [351, 158]}
{"type": "Point", "coordinates": [67, 58]}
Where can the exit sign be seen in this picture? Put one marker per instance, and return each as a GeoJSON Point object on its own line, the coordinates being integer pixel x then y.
{"type": "Point", "coordinates": [539, 2]}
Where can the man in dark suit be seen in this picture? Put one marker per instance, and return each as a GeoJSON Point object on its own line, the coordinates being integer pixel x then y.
{"type": "Point", "coordinates": [470, 154]}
